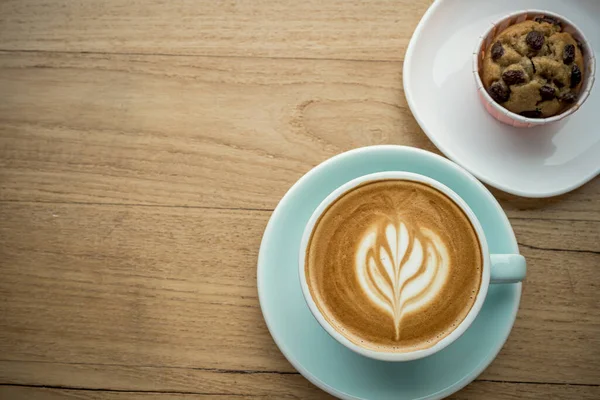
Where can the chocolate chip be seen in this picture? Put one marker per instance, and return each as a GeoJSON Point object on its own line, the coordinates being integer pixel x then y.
{"type": "Point", "coordinates": [513, 77]}
{"type": "Point", "coordinates": [575, 75]}
{"type": "Point", "coordinates": [547, 19]}
{"type": "Point", "coordinates": [580, 45]}
{"type": "Point", "coordinates": [558, 83]}
{"type": "Point", "coordinates": [497, 51]}
{"type": "Point", "coordinates": [568, 98]}
{"type": "Point", "coordinates": [547, 92]}
{"type": "Point", "coordinates": [532, 113]}
{"type": "Point", "coordinates": [499, 91]}
{"type": "Point", "coordinates": [569, 54]}
{"type": "Point", "coordinates": [535, 40]}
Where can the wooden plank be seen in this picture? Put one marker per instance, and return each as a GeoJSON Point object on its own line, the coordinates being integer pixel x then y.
{"type": "Point", "coordinates": [197, 131]}
{"type": "Point", "coordinates": [582, 204]}
{"type": "Point", "coordinates": [186, 131]}
{"type": "Point", "coordinates": [485, 390]}
{"type": "Point", "coordinates": [511, 391]}
{"type": "Point", "coordinates": [550, 234]}
{"type": "Point", "coordinates": [352, 29]}
{"type": "Point", "coordinates": [28, 393]}
{"type": "Point", "coordinates": [158, 379]}
{"type": "Point", "coordinates": [133, 286]}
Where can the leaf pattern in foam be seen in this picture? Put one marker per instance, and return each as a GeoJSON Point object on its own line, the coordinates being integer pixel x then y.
{"type": "Point", "coordinates": [401, 268]}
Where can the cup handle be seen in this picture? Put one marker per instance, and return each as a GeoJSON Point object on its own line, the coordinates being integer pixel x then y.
{"type": "Point", "coordinates": [507, 268]}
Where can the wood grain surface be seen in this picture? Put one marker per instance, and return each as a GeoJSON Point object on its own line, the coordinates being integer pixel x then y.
{"type": "Point", "coordinates": [344, 29]}
{"type": "Point", "coordinates": [143, 147]}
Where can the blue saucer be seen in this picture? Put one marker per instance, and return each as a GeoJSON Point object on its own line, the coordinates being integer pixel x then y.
{"type": "Point", "coordinates": [324, 361]}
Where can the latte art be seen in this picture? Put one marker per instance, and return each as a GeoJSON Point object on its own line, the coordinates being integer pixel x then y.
{"type": "Point", "coordinates": [401, 270]}
{"type": "Point", "coordinates": [393, 265]}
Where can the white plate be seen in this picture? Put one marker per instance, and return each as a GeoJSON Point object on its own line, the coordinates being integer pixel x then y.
{"type": "Point", "coordinates": [440, 89]}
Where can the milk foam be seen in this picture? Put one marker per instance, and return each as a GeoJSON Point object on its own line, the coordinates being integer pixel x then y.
{"type": "Point", "coordinates": [394, 265]}
{"type": "Point", "coordinates": [401, 268]}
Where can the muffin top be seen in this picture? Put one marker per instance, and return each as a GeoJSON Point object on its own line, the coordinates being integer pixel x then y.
{"type": "Point", "coordinates": [533, 68]}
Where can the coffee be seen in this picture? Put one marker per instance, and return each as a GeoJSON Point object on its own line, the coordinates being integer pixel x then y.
{"type": "Point", "coordinates": [394, 265]}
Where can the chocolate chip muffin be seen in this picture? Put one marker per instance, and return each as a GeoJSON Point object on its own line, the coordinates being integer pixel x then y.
{"type": "Point", "coordinates": [533, 68]}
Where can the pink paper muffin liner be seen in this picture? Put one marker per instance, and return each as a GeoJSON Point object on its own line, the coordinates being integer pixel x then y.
{"type": "Point", "coordinates": [513, 119]}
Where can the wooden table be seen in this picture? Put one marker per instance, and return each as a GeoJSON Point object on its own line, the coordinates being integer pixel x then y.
{"type": "Point", "coordinates": [143, 147]}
